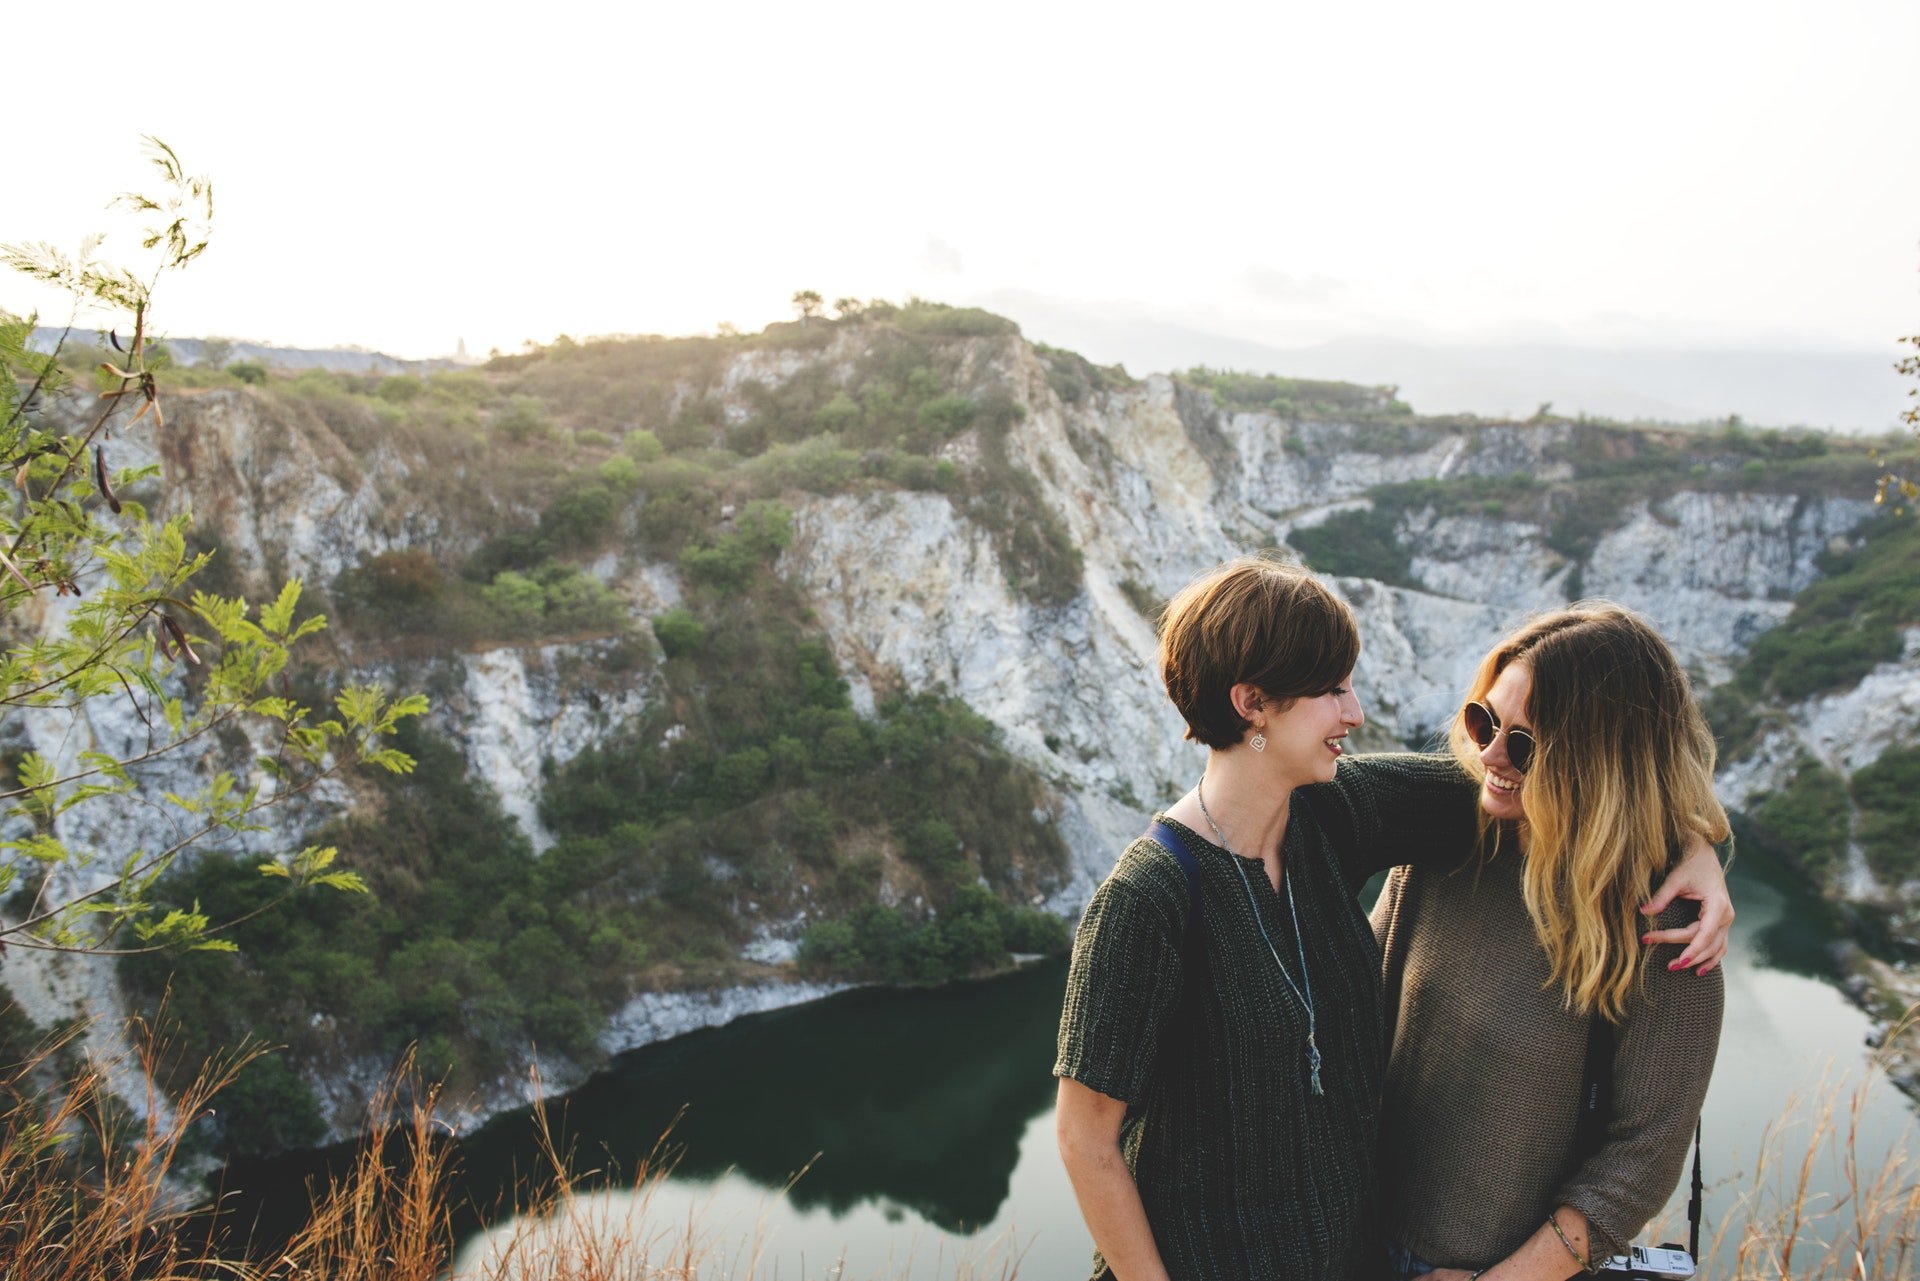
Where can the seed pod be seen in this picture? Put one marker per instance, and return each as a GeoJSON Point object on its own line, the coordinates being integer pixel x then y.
{"type": "Point", "coordinates": [6, 562]}
{"type": "Point", "coordinates": [100, 480]}
{"type": "Point", "coordinates": [180, 639]}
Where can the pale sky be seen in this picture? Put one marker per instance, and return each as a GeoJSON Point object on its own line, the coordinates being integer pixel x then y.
{"type": "Point", "coordinates": [1688, 173]}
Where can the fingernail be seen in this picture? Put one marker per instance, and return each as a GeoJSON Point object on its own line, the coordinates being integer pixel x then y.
{"type": "Point", "coordinates": [1646, 938]}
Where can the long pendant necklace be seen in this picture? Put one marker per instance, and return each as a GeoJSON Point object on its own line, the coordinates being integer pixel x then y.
{"type": "Point", "coordinates": [1306, 979]}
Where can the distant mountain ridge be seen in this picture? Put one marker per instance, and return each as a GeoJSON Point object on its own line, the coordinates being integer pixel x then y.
{"type": "Point", "coordinates": [337, 360]}
{"type": "Point", "coordinates": [1847, 391]}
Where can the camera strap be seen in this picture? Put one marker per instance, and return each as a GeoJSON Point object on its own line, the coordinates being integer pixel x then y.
{"type": "Point", "coordinates": [1590, 1124]}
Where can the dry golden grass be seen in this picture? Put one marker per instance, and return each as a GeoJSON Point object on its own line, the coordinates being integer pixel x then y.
{"type": "Point", "coordinates": [84, 1191]}
{"type": "Point", "coordinates": [1781, 1229]}
{"type": "Point", "coordinates": [84, 1197]}
{"type": "Point", "coordinates": [386, 1218]}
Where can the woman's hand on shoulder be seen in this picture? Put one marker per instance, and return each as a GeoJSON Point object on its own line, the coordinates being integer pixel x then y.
{"type": "Point", "coordinates": [1701, 878]}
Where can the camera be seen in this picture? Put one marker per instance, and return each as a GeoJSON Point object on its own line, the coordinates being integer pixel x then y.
{"type": "Point", "coordinates": [1650, 1263]}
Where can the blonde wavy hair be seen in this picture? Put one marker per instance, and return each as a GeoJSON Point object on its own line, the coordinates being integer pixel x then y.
{"type": "Point", "coordinates": [1622, 777]}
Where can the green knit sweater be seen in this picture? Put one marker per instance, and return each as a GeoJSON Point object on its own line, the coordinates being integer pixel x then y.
{"type": "Point", "coordinates": [1244, 1173]}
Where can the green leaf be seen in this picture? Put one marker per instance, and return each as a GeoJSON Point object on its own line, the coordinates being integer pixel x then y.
{"type": "Point", "coordinates": [277, 618]}
{"type": "Point", "coordinates": [315, 858]}
{"type": "Point", "coordinates": [39, 848]}
{"type": "Point", "coordinates": [391, 759]}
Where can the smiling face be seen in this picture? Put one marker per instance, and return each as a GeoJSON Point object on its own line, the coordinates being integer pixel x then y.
{"type": "Point", "coordinates": [1500, 792]}
{"type": "Point", "coordinates": [1305, 741]}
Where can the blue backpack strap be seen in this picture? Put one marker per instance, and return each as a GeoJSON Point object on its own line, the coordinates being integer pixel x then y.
{"type": "Point", "coordinates": [1163, 835]}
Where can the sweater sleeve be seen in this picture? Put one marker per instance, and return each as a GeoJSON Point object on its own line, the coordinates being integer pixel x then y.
{"type": "Point", "coordinates": [1386, 809]}
{"type": "Point", "coordinates": [1124, 981]}
{"type": "Point", "coordinates": [1663, 1058]}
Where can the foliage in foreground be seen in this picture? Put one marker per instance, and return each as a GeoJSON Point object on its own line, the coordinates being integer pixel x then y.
{"type": "Point", "coordinates": [136, 631]}
{"type": "Point", "coordinates": [81, 1197]}
{"type": "Point", "coordinates": [1903, 485]}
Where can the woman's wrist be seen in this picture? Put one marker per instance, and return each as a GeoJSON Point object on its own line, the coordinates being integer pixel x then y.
{"type": "Point", "coordinates": [1553, 1221]}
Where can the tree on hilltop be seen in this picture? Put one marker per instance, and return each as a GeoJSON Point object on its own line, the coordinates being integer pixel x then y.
{"type": "Point", "coordinates": [807, 302]}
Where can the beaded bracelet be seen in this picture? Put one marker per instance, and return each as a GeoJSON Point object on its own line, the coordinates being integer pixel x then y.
{"type": "Point", "coordinates": [1554, 1223]}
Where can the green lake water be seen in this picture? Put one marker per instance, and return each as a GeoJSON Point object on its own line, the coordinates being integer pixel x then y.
{"type": "Point", "coordinates": [923, 1121]}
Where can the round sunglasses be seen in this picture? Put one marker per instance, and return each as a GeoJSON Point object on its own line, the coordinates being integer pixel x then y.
{"type": "Point", "coordinates": [1483, 727]}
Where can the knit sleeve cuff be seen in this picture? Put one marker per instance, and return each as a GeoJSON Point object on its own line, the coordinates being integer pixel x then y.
{"type": "Point", "coordinates": [1123, 986]}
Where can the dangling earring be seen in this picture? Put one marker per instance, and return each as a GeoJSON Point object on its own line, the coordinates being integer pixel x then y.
{"type": "Point", "coordinates": [1258, 742]}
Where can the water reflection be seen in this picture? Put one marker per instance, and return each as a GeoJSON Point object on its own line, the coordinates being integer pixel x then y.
{"type": "Point", "coordinates": [919, 1098]}
{"type": "Point", "coordinates": [1782, 925]}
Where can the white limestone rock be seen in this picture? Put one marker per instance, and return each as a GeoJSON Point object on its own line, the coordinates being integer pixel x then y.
{"type": "Point", "coordinates": [1715, 570]}
{"type": "Point", "coordinates": [655, 1016]}
{"type": "Point", "coordinates": [1487, 559]}
{"type": "Point", "coordinates": [522, 707]}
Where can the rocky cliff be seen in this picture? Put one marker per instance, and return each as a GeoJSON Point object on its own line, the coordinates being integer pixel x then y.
{"type": "Point", "coordinates": [1004, 549]}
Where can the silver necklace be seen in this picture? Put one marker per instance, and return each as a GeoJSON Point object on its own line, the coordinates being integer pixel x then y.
{"type": "Point", "coordinates": [1286, 878]}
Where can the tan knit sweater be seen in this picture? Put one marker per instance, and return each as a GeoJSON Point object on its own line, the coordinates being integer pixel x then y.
{"type": "Point", "coordinates": [1477, 1121]}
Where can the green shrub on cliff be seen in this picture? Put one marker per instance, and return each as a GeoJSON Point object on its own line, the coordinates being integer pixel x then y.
{"type": "Point", "coordinates": [1298, 398]}
{"type": "Point", "coordinates": [1360, 543]}
{"type": "Point", "coordinates": [1888, 794]}
{"type": "Point", "coordinates": [466, 942]}
{"type": "Point", "coordinates": [1807, 822]}
{"type": "Point", "coordinates": [1842, 625]}
{"type": "Point", "coordinates": [974, 933]}
{"type": "Point", "coordinates": [758, 534]}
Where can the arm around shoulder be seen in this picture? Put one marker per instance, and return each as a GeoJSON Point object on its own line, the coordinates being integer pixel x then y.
{"type": "Point", "coordinates": [1700, 877]}
{"type": "Point", "coordinates": [1386, 809]}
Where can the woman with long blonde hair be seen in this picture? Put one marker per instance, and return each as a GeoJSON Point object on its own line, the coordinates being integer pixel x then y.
{"type": "Point", "coordinates": [1596, 770]}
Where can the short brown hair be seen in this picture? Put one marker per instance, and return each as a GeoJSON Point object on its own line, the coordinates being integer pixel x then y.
{"type": "Point", "coordinates": [1254, 621]}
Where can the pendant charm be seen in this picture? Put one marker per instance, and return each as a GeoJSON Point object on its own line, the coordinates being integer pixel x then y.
{"type": "Point", "coordinates": [1313, 1069]}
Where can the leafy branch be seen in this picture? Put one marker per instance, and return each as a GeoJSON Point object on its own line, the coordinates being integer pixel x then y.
{"type": "Point", "coordinates": [1901, 488]}
{"type": "Point", "coordinates": [130, 625]}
